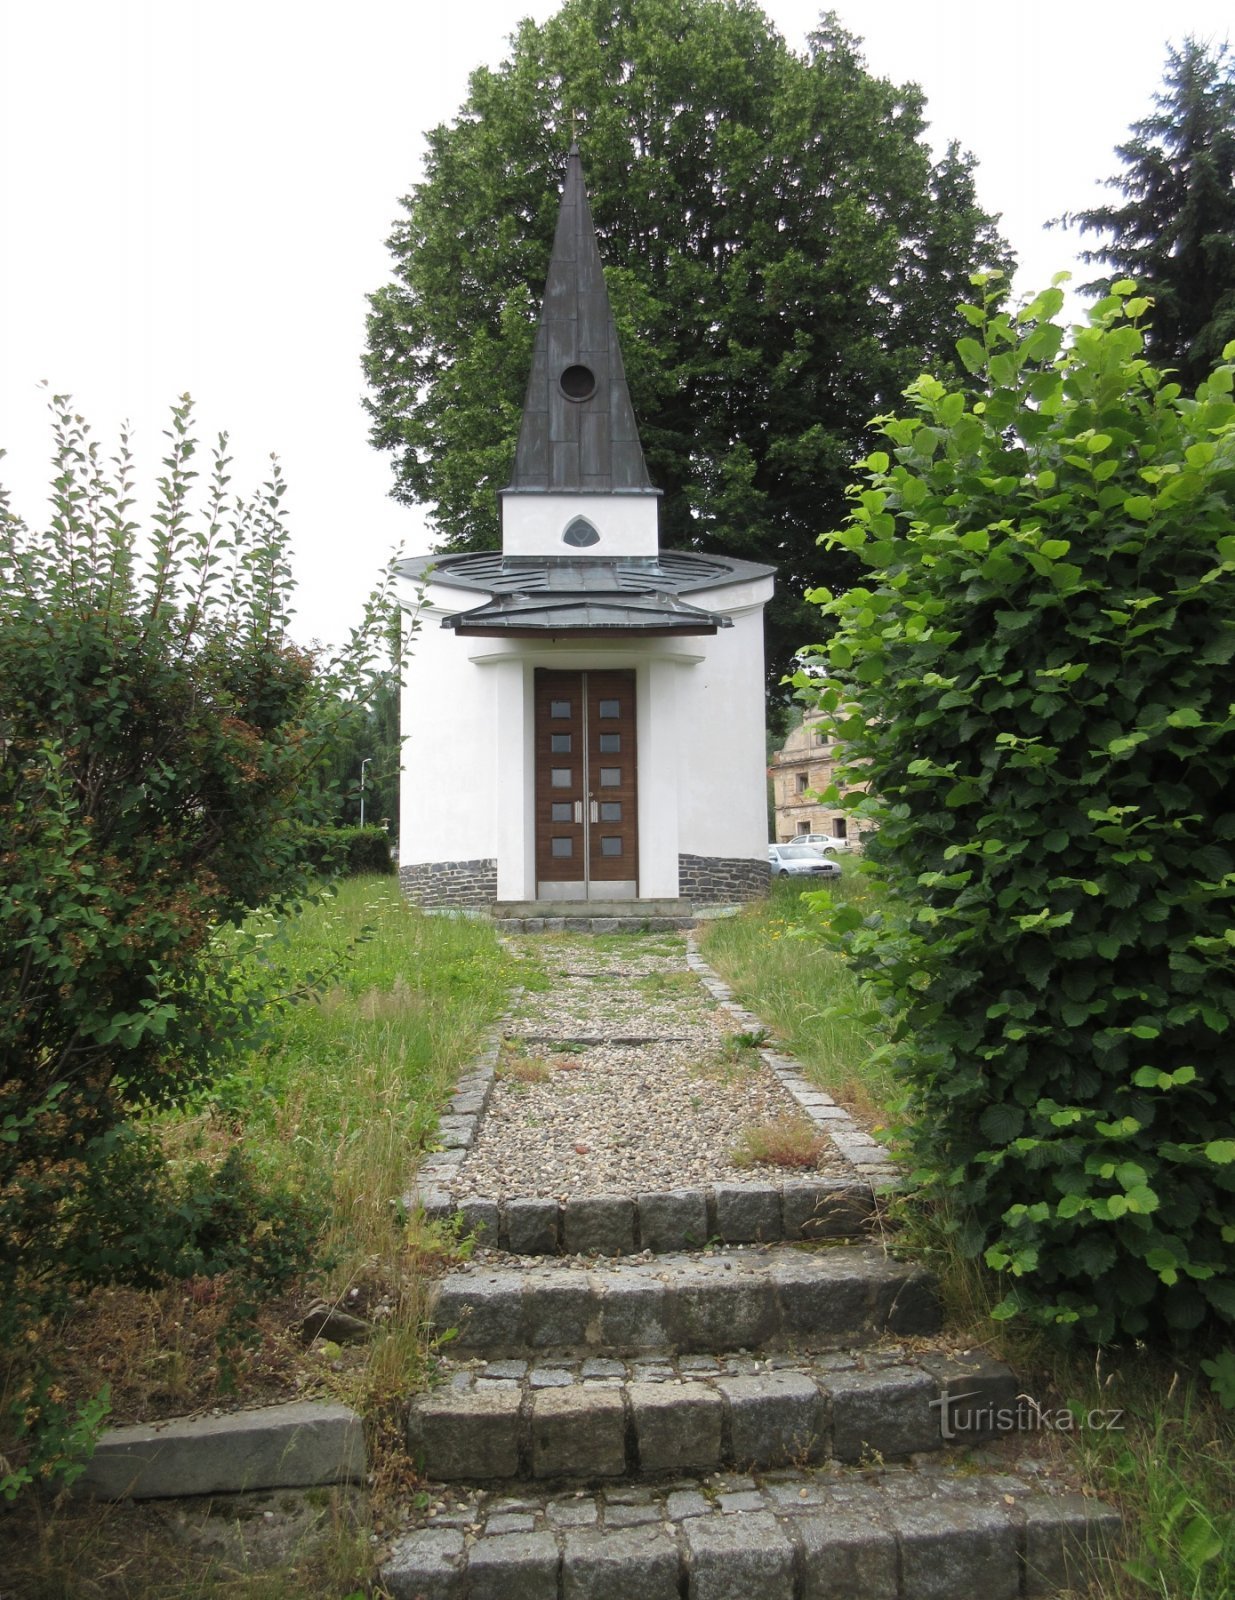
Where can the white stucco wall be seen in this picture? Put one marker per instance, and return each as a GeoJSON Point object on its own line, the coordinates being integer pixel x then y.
{"type": "Point", "coordinates": [720, 719]}
{"type": "Point", "coordinates": [467, 789]}
{"type": "Point", "coordinates": [533, 524]}
{"type": "Point", "coordinates": [449, 723]}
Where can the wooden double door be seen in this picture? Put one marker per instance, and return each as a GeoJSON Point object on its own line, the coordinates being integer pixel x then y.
{"type": "Point", "coordinates": [587, 840]}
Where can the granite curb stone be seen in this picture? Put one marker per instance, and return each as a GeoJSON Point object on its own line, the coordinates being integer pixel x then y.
{"type": "Point", "coordinates": [276, 1447]}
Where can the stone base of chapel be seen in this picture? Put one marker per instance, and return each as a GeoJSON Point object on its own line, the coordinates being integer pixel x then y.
{"type": "Point", "coordinates": [472, 885]}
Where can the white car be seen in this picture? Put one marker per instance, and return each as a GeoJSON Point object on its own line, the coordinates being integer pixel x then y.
{"type": "Point", "coordinates": [822, 841]}
{"type": "Point", "coordinates": [800, 861]}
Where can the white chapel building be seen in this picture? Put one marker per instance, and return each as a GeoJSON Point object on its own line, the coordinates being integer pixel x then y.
{"type": "Point", "coordinates": [583, 712]}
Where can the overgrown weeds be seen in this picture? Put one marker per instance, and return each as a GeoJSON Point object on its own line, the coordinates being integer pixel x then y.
{"type": "Point", "coordinates": [330, 1111]}
{"type": "Point", "coordinates": [791, 1142]}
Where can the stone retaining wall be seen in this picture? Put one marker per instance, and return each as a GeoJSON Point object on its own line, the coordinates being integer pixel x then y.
{"type": "Point", "coordinates": [721, 879]}
{"type": "Point", "coordinates": [450, 883]}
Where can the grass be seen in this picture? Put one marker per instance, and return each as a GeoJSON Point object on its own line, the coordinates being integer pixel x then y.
{"type": "Point", "coordinates": [803, 990]}
{"type": "Point", "coordinates": [791, 1142]}
{"type": "Point", "coordinates": [342, 1095]}
{"type": "Point", "coordinates": [1169, 1464]}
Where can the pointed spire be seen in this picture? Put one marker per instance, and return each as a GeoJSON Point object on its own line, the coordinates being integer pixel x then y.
{"type": "Point", "coordinates": [578, 432]}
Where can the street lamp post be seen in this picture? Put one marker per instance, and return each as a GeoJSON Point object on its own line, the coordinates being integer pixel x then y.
{"type": "Point", "coordinates": [363, 765]}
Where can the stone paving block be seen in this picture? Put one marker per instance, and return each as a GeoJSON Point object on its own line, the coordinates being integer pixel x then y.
{"type": "Point", "coordinates": [775, 1418]}
{"type": "Point", "coordinates": [599, 1224]}
{"type": "Point", "coordinates": [530, 1227]}
{"type": "Point", "coordinates": [467, 1105]}
{"type": "Point", "coordinates": [738, 1558]}
{"type": "Point", "coordinates": [888, 1413]}
{"type": "Point", "coordinates": [955, 1549]}
{"type": "Point", "coordinates": [561, 1306]}
{"type": "Point", "coordinates": [427, 1565]}
{"type": "Point", "coordinates": [683, 1503]}
{"type": "Point", "coordinates": [639, 1563]}
{"type": "Point", "coordinates": [721, 1311]}
{"type": "Point", "coordinates": [1064, 1535]}
{"type": "Point", "coordinates": [748, 1213]}
{"type": "Point", "coordinates": [674, 1220]}
{"type": "Point", "coordinates": [473, 1435]}
{"type": "Point", "coordinates": [549, 1378]}
{"type": "Point", "coordinates": [846, 1556]}
{"type": "Point", "coordinates": [824, 1299]}
{"type": "Point", "coordinates": [486, 1308]}
{"type": "Point", "coordinates": [824, 1210]}
{"type": "Point", "coordinates": [623, 1516]}
{"type": "Point", "coordinates": [742, 1500]}
{"type": "Point", "coordinates": [982, 1396]}
{"type": "Point", "coordinates": [578, 1433]}
{"type": "Point", "coordinates": [513, 1566]}
{"type": "Point", "coordinates": [480, 1219]}
{"type": "Point", "coordinates": [509, 1522]}
{"type": "Point", "coordinates": [436, 1203]}
{"type": "Point", "coordinates": [678, 1427]}
{"type": "Point", "coordinates": [275, 1447]}
{"type": "Point", "coordinates": [634, 1314]}
{"type": "Point", "coordinates": [440, 1166]}
{"type": "Point", "coordinates": [572, 1513]}
{"type": "Point", "coordinates": [455, 1133]}
{"type": "Point", "coordinates": [907, 1301]}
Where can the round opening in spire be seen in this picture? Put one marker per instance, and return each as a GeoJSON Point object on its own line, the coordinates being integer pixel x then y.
{"type": "Point", "coordinates": [578, 383]}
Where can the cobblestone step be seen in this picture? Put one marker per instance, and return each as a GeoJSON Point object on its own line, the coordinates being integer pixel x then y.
{"type": "Point", "coordinates": [676, 1219]}
{"type": "Point", "coordinates": [747, 1298]}
{"type": "Point", "coordinates": [936, 1530]}
{"type": "Point", "coordinates": [598, 1418]}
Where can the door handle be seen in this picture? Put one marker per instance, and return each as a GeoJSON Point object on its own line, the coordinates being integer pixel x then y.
{"type": "Point", "coordinates": [595, 809]}
{"type": "Point", "coordinates": [578, 810]}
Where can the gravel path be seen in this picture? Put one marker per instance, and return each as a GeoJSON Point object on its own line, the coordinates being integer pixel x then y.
{"type": "Point", "coordinates": [580, 1108]}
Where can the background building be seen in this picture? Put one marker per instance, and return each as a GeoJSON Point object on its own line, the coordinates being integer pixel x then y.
{"type": "Point", "coordinates": [802, 770]}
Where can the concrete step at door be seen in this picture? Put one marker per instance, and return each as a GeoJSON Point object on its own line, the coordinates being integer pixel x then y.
{"type": "Point", "coordinates": [601, 1418]}
{"type": "Point", "coordinates": [741, 1298]}
{"type": "Point", "coordinates": [942, 1532]}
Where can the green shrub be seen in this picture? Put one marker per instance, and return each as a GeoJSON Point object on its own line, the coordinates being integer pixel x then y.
{"type": "Point", "coordinates": [162, 741]}
{"type": "Point", "coordinates": [1038, 683]}
{"type": "Point", "coordinates": [347, 852]}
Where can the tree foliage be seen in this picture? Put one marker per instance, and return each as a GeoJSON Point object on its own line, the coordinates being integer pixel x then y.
{"type": "Point", "coordinates": [161, 746]}
{"type": "Point", "coordinates": [1037, 681]}
{"type": "Point", "coordinates": [372, 735]}
{"type": "Point", "coordinates": [1174, 232]}
{"type": "Point", "coordinates": [781, 250]}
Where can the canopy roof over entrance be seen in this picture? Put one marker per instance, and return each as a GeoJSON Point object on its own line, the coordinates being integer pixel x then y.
{"type": "Point", "coordinates": [554, 594]}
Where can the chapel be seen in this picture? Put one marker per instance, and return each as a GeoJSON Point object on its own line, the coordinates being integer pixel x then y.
{"type": "Point", "coordinates": [583, 712]}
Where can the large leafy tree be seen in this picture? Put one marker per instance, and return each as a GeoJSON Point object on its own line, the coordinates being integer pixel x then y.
{"type": "Point", "coordinates": [1174, 231]}
{"type": "Point", "coordinates": [782, 253]}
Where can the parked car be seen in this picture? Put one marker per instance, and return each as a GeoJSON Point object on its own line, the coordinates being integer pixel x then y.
{"type": "Point", "coordinates": [800, 860]}
{"type": "Point", "coordinates": [822, 841]}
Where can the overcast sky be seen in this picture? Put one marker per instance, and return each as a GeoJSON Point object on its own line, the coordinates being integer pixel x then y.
{"type": "Point", "coordinates": [195, 196]}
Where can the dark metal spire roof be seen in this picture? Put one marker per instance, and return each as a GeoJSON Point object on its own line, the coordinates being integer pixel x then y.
{"type": "Point", "coordinates": [578, 432]}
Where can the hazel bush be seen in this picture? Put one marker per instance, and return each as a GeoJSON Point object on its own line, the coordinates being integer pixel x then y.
{"type": "Point", "coordinates": [1036, 679]}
